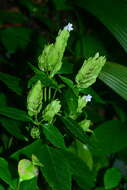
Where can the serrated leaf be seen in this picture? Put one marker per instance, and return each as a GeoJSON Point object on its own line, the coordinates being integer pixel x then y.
{"type": "Point", "coordinates": [14, 113]}
{"type": "Point", "coordinates": [56, 169]}
{"type": "Point", "coordinates": [115, 76]}
{"type": "Point", "coordinates": [75, 129]}
{"type": "Point", "coordinates": [11, 82]}
{"type": "Point", "coordinates": [83, 176]}
{"type": "Point", "coordinates": [112, 178]}
{"type": "Point", "coordinates": [53, 135]}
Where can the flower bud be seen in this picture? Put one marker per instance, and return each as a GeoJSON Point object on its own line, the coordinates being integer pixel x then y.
{"type": "Point", "coordinates": [35, 133]}
{"type": "Point", "coordinates": [27, 170]}
{"type": "Point", "coordinates": [51, 110]}
{"type": "Point", "coordinates": [34, 99]}
{"type": "Point", "coordinates": [85, 124]}
{"type": "Point", "coordinates": [90, 70]}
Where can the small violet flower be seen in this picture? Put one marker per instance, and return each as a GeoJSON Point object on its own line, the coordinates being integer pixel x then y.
{"type": "Point", "coordinates": [88, 98]}
{"type": "Point", "coordinates": [69, 27]}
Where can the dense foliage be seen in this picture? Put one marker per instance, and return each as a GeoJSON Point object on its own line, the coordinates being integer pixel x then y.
{"type": "Point", "coordinates": [63, 95]}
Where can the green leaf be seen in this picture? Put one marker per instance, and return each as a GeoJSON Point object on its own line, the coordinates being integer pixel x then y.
{"type": "Point", "coordinates": [14, 38]}
{"type": "Point", "coordinates": [31, 184]}
{"type": "Point", "coordinates": [112, 178]}
{"type": "Point", "coordinates": [12, 17]}
{"type": "Point", "coordinates": [115, 76]}
{"type": "Point", "coordinates": [53, 135]}
{"type": "Point", "coordinates": [11, 82]}
{"type": "Point", "coordinates": [115, 22]}
{"type": "Point", "coordinates": [71, 101]}
{"type": "Point", "coordinates": [14, 113]}
{"type": "Point", "coordinates": [5, 174]}
{"type": "Point", "coordinates": [61, 5]}
{"type": "Point", "coordinates": [67, 67]}
{"type": "Point", "coordinates": [27, 170]}
{"type": "Point", "coordinates": [82, 151]}
{"type": "Point", "coordinates": [83, 176]}
{"type": "Point", "coordinates": [110, 137]}
{"type": "Point", "coordinates": [88, 45]}
{"type": "Point", "coordinates": [28, 150]}
{"type": "Point", "coordinates": [43, 77]}
{"type": "Point", "coordinates": [13, 127]}
{"type": "Point", "coordinates": [67, 81]}
{"type": "Point", "coordinates": [3, 100]}
{"type": "Point", "coordinates": [1, 187]}
{"type": "Point", "coordinates": [75, 129]}
{"type": "Point", "coordinates": [56, 169]}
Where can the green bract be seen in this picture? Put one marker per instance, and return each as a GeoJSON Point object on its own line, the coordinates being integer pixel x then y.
{"type": "Point", "coordinates": [51, 110]}
{"type": "Point", "coordinates": [90, 70]}
{"type": "Point", "coordinates": [51, 57]}
{"type": "Point", "coordinates": [27, 170]}
{"type": "Point", "coordinates": [81, 103]}
{"type": "Point", "coordinates": [34, 99]}
{"type": "Point", "coordinates": [85, 124]}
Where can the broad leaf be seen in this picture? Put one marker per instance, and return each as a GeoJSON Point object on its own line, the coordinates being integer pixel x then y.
{"type": "Point", "coordinates": [114, 21]}
{"type": "Point", "coordinates": [112, 178]}
{"type": "Point", "coordinates": [5, 174]}
{"type": "Point", "coordinates": [14, 113]}
{"type": "Point", "coordinates": [110, 137]}
{"type": "Point", "coordinates": [115, 76]}
{"type": "Point", "coordinates": [56, 169]}
{"type": "Point", "coordinates": [53, 135]}
{"type": "Point", "coordinates": [13, 127]}
{"type": "Point", "coordinates": [28, 150]}
{"type": "Point", "coordinates": [14, 38]}
{"type": "Point", "coordinates": [75, 129]}
{"type": "Point", "coordinates": [11, 82]}
{"type": "Point", "coordinates": [83, 176]}
{"type": "Point", "coordinates": [31, 184]}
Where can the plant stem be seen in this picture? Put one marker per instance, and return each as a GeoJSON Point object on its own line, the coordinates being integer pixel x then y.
{"type": "Point", "coordinates": [49, 94]}
{"type": "Point", "coordinates": [18, 186]}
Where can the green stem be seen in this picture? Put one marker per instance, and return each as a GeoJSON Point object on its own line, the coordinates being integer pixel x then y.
{"type": "Point", "coordinates": [18, 186]}
{"type": "Point", "coordinates": [45, 94]}
{"type": "Point", "coordinates": [49, 94]}
{"type": "Point", "coordinates": [54, 94]}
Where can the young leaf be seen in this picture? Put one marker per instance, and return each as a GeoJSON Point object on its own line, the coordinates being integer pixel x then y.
{"type": "Point", "coordinates": [112, 178]}
{"type": "Point", "coordinates": [89, 71]}
{"type": "Point", "coordinates": [53, 135]}
{"type": "Point", "coordinates": [27, 170]}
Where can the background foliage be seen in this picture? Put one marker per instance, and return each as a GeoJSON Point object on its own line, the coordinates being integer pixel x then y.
{"type": "Point", "coordinates": [99, 26]}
